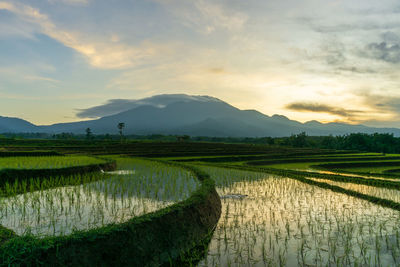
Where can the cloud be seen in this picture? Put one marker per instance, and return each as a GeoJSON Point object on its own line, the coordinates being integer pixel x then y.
{"type": "Point", "coordinates": [70, 2]}
{"type": "Point", "coordinates": [218, 16]}
{"type": "Point", "coordinates": [216, 70]}
{"type": "Point", "coordinates": [115, 106]}
{"type": "Point", "coordinates": [100, 54]}
{"type": "Point", "coordinates": [205, 16]}
{"type": "Point", "coordinates": [40, 78]}
{"type": "Point", "coordinates": [359, 70]}
{"type": "Point", "coordinates": [382, 103]}
{"type": "Point", "coordinates": [321, 108]}
{"type": "Point", "coordinates": [390, 37]}
{"type": "Point", "coordinates": [384, 51]}
{"type": "Point", "coordinates": [111, 107]}
{"type": "Point", "coordinates": [352, 27]}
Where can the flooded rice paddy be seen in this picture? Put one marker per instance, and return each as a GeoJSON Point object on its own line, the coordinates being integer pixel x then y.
{"type": "Point", "coordinates": [138, 187]}
{"type": "Point", "coordinates": [380, 192]}
{"type": "Point", "coordinates": [283, 222]}
{"type": "Point", "coordinates": [47, 162]}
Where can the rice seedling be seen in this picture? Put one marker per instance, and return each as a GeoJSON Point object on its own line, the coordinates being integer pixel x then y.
{"type": "Point", "coordinates": [283, 222]}
{"type": "Point", "coordinates": [142, 186]}
{"type": "Point", "coordinates": [47, 162]}
{"type": "Point", "coordinates": [384, 193]}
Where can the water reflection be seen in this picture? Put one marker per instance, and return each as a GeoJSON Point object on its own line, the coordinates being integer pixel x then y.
{"type": "Point", "coordinates": [142, 188]}
{"type": "Point", "coordinates": [286, 222]}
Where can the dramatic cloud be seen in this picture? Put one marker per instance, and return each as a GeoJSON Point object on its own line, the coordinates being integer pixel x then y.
{"type": "Point", "coordinates": [115, 106]}
{"type": "Point", "coordinates": [321, 108]}
{"type": "Point", "coordinates": [384, 51]}
{"type": "Point", "coordinates": [40, 78]}
{"type": "Point", "coordinates": [112, 106]}
{"type": "Point", "coordinates": [100, 53]}
{"type": "Point", "coordinates": [70, 2]}
{"type": "Point", "coordinates": [382, 103]}
{"type": "Point", "coordinates": [253, 54]}
{"type": "Point", "coordinates": [205, 16]}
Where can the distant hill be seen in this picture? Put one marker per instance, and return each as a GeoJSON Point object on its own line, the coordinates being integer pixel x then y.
{"type": "Point", "coordinates": [192, 115]}
{"type": "Point", "coordinates": [11, 125]}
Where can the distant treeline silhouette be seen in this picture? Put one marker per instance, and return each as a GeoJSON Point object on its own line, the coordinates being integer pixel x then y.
{"type": "Point", "coordinates": [384, 143]}
{"type": "Point", "coordinates": [378, 142]}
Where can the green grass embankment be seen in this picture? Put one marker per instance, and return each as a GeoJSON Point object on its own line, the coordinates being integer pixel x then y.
{"type": "Point", "coordinates": [158, 238]}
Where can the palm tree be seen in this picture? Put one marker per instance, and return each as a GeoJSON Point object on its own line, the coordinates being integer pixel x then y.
{"type": "Point", "coordinates": [121, 126]}
{"type": "Point", "coordinates": [89, 133]}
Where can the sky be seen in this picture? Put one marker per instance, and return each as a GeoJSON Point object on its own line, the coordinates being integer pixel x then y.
{"type": "Point", "coordinates": [306, 59]}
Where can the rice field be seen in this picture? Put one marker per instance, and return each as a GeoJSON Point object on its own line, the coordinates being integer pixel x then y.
{"type": "Point", "coordinates": [138, 187]}
{"type": "Point", "coordinates": [383, 193]}
{"type": "Point", "coordinates": [278, 221]}
{"type": "Point", "coordinates": [377, 170]}
{"type": "Point", "coordinates": [47, 162]}
{"type": "Point", "coordinates": [266, 220]}
{"type": "Point", "coordinates": [353, 164]}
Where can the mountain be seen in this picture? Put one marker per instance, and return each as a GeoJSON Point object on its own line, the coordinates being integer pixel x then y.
{"type": "Point", "coordinates": [8, 124]}
{"type": "Point", "coordinates": [185, 114]}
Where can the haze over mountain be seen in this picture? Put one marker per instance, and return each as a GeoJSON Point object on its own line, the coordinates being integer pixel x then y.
{"type": "Point", "coordinates": [186, 114]}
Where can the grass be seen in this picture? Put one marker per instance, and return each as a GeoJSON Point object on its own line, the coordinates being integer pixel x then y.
{"type": "Point", "coordinates": [145, 186]}
{"type": "Point", "coordinates": [155, 238]}
{"type": "Point", "coordinates": [286, 222]}
{"type": "Point", "coordinates": [284, 215]}
{"type": "Point", "coordinates": [375, 170]}
{"type": "Point", "coordinates": [383, 193]}
{"type": "Point", "coordinates": [47, 162]}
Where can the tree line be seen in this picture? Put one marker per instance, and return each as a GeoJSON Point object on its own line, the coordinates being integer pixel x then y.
{"type": "Point", "coordinates": [378, 142]}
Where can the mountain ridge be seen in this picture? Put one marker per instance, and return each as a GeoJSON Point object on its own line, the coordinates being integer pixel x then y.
{"type": "Point", "coordinates": [186, 114]}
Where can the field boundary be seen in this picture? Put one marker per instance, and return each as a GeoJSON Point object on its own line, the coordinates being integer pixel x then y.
{"type": "Point", "coordinates": [302, 177]}
{"type": "Point", "coordinates": [332, 161]}
{"type": "Point", "coordinates": [18, 175]}
{"type": "Point", "coordinates": [157, 238]}
{"type": "Point", "coordinates": [4, 154]}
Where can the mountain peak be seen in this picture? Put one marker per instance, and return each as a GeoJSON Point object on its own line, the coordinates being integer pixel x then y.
{"type": "Point", "coordinates": [185, 114]}
{"type": "Point", "coordinates": [166, 99]}
{"type": "Point", "coordinates": [313, 123]}
{"type": "Point", "coordinates": [115, 106]}
{"type": "Point", "coordinates": [280, 117]}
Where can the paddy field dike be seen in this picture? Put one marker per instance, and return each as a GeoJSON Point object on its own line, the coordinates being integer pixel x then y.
{"type": "Point", "coordinates": [196, 204]}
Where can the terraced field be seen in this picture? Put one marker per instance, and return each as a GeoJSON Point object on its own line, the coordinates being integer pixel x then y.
{"type": "Point", "coordinates": [292, 213]}
{"type": "Point", "coordinates": [41, 213]}
{"type": "Point", "coordinates": [280, 221]}
{"type": "Point", "coordinates": [370, 164]}
{"type": "Point", "coordinates": [47, 162]}
{"type": "Point", "coordinates": [136, 188]}
{"type": "Point", "coordinates": [290, 209]}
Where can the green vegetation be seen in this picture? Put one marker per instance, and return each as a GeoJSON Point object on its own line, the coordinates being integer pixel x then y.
{"type": "Point", "coordinates": [28, 153]}
{"type": "Point", "coordinates": [281, 206]}
{"type": "Point", "coordinates": [138, 187]}
{"type": "Point", "coordinates": [157, 237]}
{"type": "Point", "coordinates": [379, 192]}
{"type": "Point", "coordinates": [381, 143]}
{"type": "Point", "coordinates": [285, 222]}
{"type": "Point", "coordinates": [52, 162]}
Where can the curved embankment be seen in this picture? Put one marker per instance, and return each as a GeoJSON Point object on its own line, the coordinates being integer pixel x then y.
{"type": "Point", "coordinates": [302, 177]}
{"type": "Point", "coordinates": [28, 153]}
{"type": "Point", "coordinates": [5, 234]}
{"type": "Point", "coordinates": [346, 165]}
{"type": "Point", "coordinates": [163, 237]}
{"type": "Point", "coordinates": [361, 161]}
{"type": "Point", "coordinates": [18, 175]}
{"type": "Point", "coordinates": [343, 167]}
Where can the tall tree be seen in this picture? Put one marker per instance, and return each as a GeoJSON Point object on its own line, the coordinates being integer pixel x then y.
{"type": "Point", "coordinates": [121, 127]}
{"type": "Point", "coordinates": [89, 133]}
